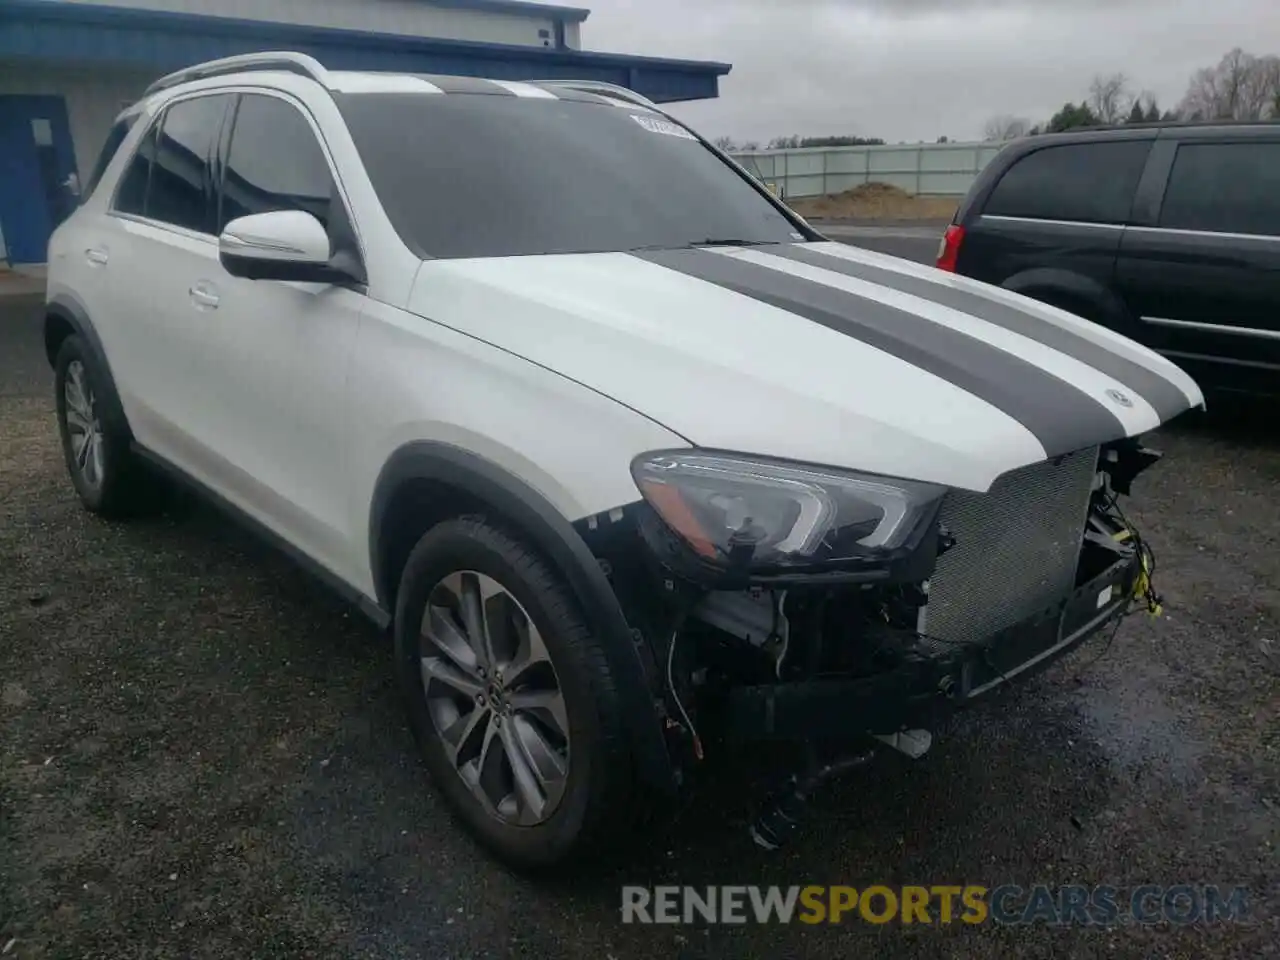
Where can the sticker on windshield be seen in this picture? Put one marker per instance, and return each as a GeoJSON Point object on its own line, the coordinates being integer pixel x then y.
{"type": "Point", "coordinates": [658, 125]}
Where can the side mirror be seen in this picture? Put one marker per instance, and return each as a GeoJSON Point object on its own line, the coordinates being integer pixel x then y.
{"type": "Point", "coordinates": [281, 245]}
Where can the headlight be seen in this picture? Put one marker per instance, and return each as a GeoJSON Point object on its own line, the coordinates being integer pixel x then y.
{"type": "Point", "coordinates": [744, 512]}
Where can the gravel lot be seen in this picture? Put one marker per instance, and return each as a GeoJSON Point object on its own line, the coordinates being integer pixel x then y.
{"type": "Point", "coordinates": [202, 754]}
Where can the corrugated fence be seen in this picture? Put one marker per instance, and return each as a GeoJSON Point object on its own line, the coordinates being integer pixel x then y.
{"type": "Point", "coordinates": [931, 169]}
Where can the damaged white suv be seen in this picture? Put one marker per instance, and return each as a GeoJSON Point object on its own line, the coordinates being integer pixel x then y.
{"type": "Point", "coordinates": [635, 463]}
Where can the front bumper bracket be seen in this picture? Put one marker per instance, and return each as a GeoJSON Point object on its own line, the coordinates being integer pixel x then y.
{"type": "Point", "coordinates": [916, 693]}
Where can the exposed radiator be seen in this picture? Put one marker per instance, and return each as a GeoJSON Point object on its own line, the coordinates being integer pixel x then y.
{"type": "Point", "coordinates": [1016, 551]}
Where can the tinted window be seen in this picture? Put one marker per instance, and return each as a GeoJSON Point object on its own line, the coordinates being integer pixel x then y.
{"type": "Point", "coordinates": [180, 191]}
{"type": "Point", "coordinates": [275, 163]}
{"type": "Point", "coordinates": [1225, 188]}
{"type": "Point", "coordinates": [1090, 182]}
{"type": "Point", "coordinates": [119, 130]}
{"type": "Point", "coordinates": [131, 195]}
{"type": "Point", "coordinates": [472, 175]}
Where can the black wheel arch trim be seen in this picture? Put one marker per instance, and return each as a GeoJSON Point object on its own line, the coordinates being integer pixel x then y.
{"type": "Point", "coordinates": [70, 310]}
{"type": "Point", "coordinates": [554, 536]}
{"type": "Point", "coordinates": [1057, 285]}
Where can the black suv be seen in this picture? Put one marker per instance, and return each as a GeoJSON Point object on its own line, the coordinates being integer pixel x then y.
{"type": "Point", "coordinates": [1169, 235]}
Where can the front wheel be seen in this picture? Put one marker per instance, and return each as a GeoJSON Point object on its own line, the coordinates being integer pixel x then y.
{"type": "Point", "coordinates": [510, 698]}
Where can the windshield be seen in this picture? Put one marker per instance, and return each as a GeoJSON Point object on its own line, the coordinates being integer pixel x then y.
{"type": "Point", "coordinates": [472, 175]}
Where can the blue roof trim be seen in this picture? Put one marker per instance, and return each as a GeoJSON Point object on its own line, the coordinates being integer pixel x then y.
{"type": "Point", "coordinates": [551, 11]}
{"type": "Point", "coordinates": [164, 41]}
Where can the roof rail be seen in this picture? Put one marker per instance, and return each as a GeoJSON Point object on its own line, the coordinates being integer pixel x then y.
{"type": "Point", "coordinates": [292, 62]}
{"type": "Point", "coordinates": [601, 88]}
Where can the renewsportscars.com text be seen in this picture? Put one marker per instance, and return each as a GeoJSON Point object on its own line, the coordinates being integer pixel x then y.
{"type": "Point", "coordinates": [1005, 905]}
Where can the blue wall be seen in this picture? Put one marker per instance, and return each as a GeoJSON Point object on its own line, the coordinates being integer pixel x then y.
{"type": "Point", "coordinates": [85, 34]}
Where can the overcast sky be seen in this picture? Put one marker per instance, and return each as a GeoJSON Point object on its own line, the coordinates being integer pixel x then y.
{"type": "Point", "coordinates": [919, 69]}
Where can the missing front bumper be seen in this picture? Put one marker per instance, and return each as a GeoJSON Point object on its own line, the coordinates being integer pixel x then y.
{"type": "Point", "coordinates": [916, 693]}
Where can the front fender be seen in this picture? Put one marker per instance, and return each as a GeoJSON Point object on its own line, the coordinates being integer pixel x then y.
{"type": "Point", "coordinates": [546, 528]}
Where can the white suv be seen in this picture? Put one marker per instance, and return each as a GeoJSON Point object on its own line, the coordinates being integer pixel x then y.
{"type": "Point", "coordinates": [635, 464]}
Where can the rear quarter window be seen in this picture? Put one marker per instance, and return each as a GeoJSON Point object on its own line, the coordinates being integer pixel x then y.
{"type": "Point", "coordinates": [1083, 182]}
{"type": "Point", "coordinates": [1224, 188]}
{"type": "Point", "coordinates": [119, 130]}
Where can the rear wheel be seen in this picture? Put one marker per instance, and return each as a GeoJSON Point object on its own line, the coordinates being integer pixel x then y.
{"type": "Point", "coordinates": [510, 698]}
{"type": "Point", "coordinates": [109, 478]}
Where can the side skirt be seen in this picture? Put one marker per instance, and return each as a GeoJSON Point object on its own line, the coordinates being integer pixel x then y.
{"type": "Point", "coordinates": [373, 611]}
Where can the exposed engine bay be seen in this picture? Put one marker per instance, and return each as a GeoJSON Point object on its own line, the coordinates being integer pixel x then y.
{"type": "Point", "coordinates": [999, 581]}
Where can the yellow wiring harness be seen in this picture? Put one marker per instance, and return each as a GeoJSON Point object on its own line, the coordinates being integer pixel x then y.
{"type": "Point", "coordinates": [1142, 589]}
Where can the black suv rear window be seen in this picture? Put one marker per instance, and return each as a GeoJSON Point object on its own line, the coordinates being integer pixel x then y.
{"type": "Point", "coordinates": [473, 175]}
{"type": "Point", "coordinates": [1224, 188]}
{"type": "Point", "coordinates": [1084, 182]}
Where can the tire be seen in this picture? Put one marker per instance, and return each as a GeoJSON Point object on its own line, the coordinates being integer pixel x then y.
{"type": "Point", "coordinates": [108, 477]}
{"type": "Point", "coordinates": [590, 808]}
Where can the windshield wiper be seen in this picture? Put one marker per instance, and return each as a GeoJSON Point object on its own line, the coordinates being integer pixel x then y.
{"type": "Point", "coordinates": [725, 242]}
{"type": "Point", "coordinates": [693, 245]}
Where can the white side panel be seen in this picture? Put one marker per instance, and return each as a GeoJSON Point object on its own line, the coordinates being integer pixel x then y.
{"type": "Point", "coordinates": [416, 18]}
{"type": "Point", "coordinates": [93, 98]}
{"type": "Point", "coordinates": [926, 169]}
{"type": "Point", "coordinates": [415, 380]}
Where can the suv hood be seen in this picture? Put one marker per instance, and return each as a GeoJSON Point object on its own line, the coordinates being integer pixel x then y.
{"type": "Point", "coordinates": [817, 352]}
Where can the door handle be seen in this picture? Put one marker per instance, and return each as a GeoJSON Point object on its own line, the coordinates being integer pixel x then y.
{"type": "Point", "coordinates": [202, 296]}
{"type": "Point", "coordinates": [96, 257]}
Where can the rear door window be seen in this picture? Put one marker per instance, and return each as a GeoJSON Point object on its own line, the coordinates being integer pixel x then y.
{"type": "Point", "coordinates": [1081, 182]}
{"type": "Point", "coordinates": [169, 178]}
{"type": "Point", "coordinates": [1224, 188]}
{"type": "Point", "coordinates": [181, 184]}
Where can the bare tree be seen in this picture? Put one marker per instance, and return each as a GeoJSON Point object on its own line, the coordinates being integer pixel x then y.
{"type": "Point", "coordinates": [1005, 127]}
{"type": "Point", "coordinates": [726, 144]}
{"type": "Point", "coordinates": [1110, 98]}
{"type": "Point", "coordinates": [1264, 88]}
{"type": "Point", "coordinates": [1240, 87]}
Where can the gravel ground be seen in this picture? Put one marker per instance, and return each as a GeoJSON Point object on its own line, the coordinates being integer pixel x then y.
{"type": "Point", "coordinates": [202, 755]}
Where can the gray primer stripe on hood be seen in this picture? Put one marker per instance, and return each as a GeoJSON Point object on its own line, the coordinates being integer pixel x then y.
{"type": "Point", "coordinates": [1164, 395]}
{"type": "Point", "coordinates": [1063, 418]}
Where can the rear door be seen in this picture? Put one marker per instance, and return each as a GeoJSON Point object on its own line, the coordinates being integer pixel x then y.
{"type": "Point", "coordinates": [1201, 266]}
{"type": "Point", "coordinates": [1052, 223]}
{"type": "Point", "coordinates": [158, 254]}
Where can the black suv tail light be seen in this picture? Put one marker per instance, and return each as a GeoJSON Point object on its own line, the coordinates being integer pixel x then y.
{"type": "Point", "coordinates": [949, 248]}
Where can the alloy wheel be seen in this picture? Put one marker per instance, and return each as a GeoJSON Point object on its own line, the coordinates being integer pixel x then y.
{"type": "Point", "coordinates": [494, 698]}
{"type": "Point", "coordinates": [83, 426]}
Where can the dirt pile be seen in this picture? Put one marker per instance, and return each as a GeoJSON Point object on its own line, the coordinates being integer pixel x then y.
{"type": "Point", "coordinates": [875, 201]}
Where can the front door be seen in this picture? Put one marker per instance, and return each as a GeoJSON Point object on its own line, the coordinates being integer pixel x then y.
{"type": "Point", "coordinates": [38, 187]}
{"type": "Point", "coordinates": [275, 365]}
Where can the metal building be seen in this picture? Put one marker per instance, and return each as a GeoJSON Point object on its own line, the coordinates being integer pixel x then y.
{"type": "Point", "coordinates": [68, 66]}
